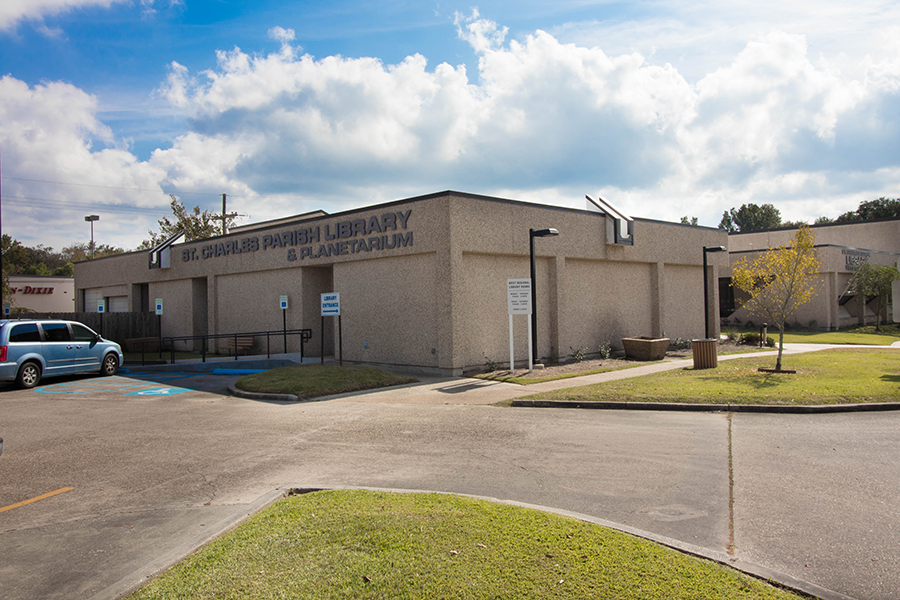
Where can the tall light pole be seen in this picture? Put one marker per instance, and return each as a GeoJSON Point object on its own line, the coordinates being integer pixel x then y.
{"type": "Point", "coordinates": [533, 233]}
{"type": "Point", "coordinates": [707, 250]}
{"type": "Point", "coordinates": [92, 218]}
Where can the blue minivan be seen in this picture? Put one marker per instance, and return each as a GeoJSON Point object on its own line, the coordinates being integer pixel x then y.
{"type": "Point", "coordinates": [30, 350]}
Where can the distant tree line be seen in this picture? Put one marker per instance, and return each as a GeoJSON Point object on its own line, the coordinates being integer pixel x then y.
{"type": "Point", "coordinates": [754, 217]}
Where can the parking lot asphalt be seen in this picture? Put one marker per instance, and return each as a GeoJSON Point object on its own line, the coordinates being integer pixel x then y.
{"type": "Point", "coordinates": [144, 466]}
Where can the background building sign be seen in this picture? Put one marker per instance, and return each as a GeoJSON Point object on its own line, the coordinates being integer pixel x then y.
{"type": "Point", "coordinates": [854, 259]}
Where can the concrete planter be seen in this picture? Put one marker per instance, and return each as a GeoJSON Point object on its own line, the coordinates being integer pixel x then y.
{"type": "Point", "coordinates": [645, 348]}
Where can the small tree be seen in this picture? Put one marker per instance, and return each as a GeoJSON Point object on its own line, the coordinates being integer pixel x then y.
{"type": "Point", "coordinates": [195, 224]}
{"type": "Point", "coordinates": [874, 280]}
{"type": "Point", "coordinates": [779, 281]}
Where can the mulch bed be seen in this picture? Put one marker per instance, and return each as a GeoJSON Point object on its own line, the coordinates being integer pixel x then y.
{"type": "Point", "coordinates": [595, 363]}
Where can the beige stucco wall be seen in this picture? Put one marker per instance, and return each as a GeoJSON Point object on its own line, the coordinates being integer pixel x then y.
{"type": "Point", "coordinates": [440, 301]}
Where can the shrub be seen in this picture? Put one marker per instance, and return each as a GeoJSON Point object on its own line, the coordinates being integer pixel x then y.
{"type": "Point", "coordinates": [605, 350]}
{"type": "Point", "coordinates": [490, 364]}
{"type": "Point", "coordinates": [578, 355]}
{"type": "Point", "coordinates": [681, 343]}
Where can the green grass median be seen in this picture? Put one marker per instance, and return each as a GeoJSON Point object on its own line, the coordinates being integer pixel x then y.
{"type": "Point", "coordinates": [840, 376]}
{"type": "Point", "coordinates": [362, 544]}
{"type": "Point", "coordinates": [865, 336]}
{"type": "Point", "coordinates": [314, 381]}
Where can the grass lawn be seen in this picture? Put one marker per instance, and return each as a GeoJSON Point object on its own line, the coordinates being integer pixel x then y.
{"type": "Point", "coordinates": [361, 544]}
{"type": "Point", "coordinates": [853, 335]}
{"type": "Point", "coordinates": [313, 381]}
{"type": "Point", "coordinates": [825, 377]}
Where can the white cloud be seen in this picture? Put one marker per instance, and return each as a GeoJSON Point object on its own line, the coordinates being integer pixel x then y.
{"type": "Point", "coordinates": [12, 12]}
{"type": "Point", "coordinates": [50, 132]}
{"type": "Point", "coordinates": [541, 120]}
{"type": "Point", "coordinates": [282, 35]}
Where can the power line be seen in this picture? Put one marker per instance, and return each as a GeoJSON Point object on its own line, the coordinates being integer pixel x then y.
{"type": "Point", "coordinates": [106, 187]}
{"type": "Point", "coordinates": [80, 206]}
{"type": "Point", "coordinates": [156, 191]}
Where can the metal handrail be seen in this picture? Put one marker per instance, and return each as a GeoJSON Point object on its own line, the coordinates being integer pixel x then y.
{"type": "Point", "coordinates": [305, 336]}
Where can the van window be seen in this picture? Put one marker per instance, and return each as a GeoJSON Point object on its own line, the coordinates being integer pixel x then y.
{"type": "Point", "coordinates": [82, 333]}
{"type": "Point", "coordinates": [24, 332]}
{"type": "Point", "coordinates": [56, 332]}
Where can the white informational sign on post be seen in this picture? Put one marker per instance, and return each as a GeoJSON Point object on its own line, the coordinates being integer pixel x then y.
{"type": "Point", "coordinates": [159, 306]}
{"type": "Point", "coordinates": [331, 304]}
{"type": "Point", "coordinates": [101, 306]}
{"type": "Point", "coordinates": [518, 302]}
{"type": "Point", "coordinates": [282, 302]}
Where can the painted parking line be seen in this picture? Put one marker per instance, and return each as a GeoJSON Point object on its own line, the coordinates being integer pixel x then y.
{"type": "Point", "coordinates": [41, 497]}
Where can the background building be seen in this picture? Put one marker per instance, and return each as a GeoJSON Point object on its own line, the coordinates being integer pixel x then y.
{"type": "Point", "coordinates": [840, 249]}
{"type": "Point", "coordinates": [37, 293]}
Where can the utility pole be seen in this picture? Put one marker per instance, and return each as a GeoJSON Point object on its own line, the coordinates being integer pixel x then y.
{"type": "Point", "coordinates": [224, 217]}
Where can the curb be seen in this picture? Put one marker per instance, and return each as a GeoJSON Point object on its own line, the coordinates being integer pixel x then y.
{"type": "Point", "coordinates": [261, 396]}
{"type": "Point", "coordinates": [746, 408]}
{"type": "Point", "coordinates": [131, 582]}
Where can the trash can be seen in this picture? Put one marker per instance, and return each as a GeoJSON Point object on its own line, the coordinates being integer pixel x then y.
{"type": "Point", "coordinates": [706, 355]}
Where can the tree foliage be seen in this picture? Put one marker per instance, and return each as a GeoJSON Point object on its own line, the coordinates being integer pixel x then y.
{"type": "Point", "coordinates": [194, 223]}
{"type": "Point", "coordinates": [43, 260]}
{"type": "Point", "coordinates": [750, 217]}
{"type": "Point", "coordinates": [779, 281]}
{"type": "Point", "coordinates": [882, 208]}
{"type": "Point", "coordinates": [874, 280]}
{"type": "Point", "coordinates": [690, 221]}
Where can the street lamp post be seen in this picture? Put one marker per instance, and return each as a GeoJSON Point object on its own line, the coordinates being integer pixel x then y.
{"type": "Point", "coordinates": [92, 218]}
{"type": "Point", "coordinates": [706, 250]}
{"type": "Point", "coordinates": [533, 233]}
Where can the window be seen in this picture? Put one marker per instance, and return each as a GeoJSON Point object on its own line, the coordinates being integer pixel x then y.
{"type": "Point", "coordinates": [25, 332]}
{"type": "Point", "coordinates": [56, 332]}
{"type": "Point", "coordinates": [82, 333]}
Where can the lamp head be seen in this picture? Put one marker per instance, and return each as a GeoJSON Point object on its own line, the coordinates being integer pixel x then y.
{"type": "Point", "coordinates": [715, 249]}
{"type": "Point", "coordinates": [543, 232]}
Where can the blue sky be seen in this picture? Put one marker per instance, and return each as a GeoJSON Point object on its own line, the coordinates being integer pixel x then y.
{"type": "Point", "coordinates": [665, 108]}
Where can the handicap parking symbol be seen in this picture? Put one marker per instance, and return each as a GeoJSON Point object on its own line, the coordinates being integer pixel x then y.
{"type": "Point", "coordinates": [157, 392]}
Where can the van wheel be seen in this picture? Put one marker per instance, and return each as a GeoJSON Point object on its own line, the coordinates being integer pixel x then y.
{"type": "Point", "coordinates": [29, 375]}
{"type": "Point", "coordinates": [110, 365]}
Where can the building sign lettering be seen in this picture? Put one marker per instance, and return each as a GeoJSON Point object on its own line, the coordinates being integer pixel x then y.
{"type": "Point", "coordinates": [346, 237]}
{"type": "Point", "coordinates": [854, 259]}
{"type": "Point", "coordinates": [32, 290]}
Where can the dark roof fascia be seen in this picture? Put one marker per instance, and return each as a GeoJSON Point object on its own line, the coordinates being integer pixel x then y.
{"type": "Point", "coordinates": [821, 246]}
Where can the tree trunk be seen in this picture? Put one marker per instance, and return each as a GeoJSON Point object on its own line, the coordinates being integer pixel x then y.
{"type": "Point", "coordinates": [780, 348]}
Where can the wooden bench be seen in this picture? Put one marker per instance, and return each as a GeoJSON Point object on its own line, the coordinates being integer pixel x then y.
{"type": "Point", "coordinates": [236, 344]}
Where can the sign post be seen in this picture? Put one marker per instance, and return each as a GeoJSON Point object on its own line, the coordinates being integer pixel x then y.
{"type": "Point", "coordinates": [159, 311]}
{"type": "Point", "coordinates": [101, 308]}
{"type": "Point", "coordinates": [331, 307]}
{"type": "Point", "coordinates": [283, 303]}
{"type": "Point", "coordinates": [518, 302]}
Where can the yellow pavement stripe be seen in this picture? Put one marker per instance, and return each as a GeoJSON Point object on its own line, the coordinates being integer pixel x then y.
{"type": "Point", "coordinates": [41, 497]}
